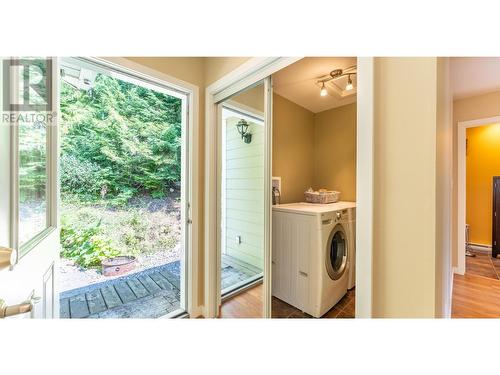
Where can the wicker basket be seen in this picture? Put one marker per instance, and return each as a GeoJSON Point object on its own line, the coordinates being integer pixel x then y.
{"type": "Point", "coordinates": [322, 197]}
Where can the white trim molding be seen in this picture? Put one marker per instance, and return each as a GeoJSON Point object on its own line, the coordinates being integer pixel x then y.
{"type": "Point", "coordinates": [364, 188]}
{"type": "Point", "coordinates": [461, 179]}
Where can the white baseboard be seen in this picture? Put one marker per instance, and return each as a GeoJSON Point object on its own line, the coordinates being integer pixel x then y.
{"type": "Point", "coordinates": [480, 248]}
{"type": "Point", "coordinates": [458, 271]}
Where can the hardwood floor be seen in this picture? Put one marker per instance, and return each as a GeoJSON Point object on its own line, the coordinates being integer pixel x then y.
{"type": "Point", "coordinates": [477, 293]}
{"type": "Point", "coordinates": [249, 305]}
{"type": "Point", "coordinates": [244, 305]}
{"type": "Point", "coordinates": [483, 265]}
{"type": "Point", "coordinates": [475, 297]}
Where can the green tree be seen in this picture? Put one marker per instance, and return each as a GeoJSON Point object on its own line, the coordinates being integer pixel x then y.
{"type": "Point", "coordinates": [119, 140]}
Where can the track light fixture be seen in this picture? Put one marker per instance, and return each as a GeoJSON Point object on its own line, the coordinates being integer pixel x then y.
{"type": "Point", "coordinates": [323, 91]}
{"type": "Point", "coordinates": [349, 86]}
{"type": "Point", "coordinates": [336, 74]}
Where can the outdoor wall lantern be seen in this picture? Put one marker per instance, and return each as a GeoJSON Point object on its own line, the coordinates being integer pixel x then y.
{"type": "Point", "coordinates": [242, 126]}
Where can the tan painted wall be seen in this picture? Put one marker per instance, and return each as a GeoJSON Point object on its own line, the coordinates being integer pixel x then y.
{"type": "Point", "coordinates": [217, 67]}
{"type": "Point", "coordinates": [253, 98]}
{"type": "Point", "coordinates": [473, 108]}
{"type": "Point", "coordinates": [293, 148]}
{"type": "Point", "coordinates": [404, 259]}
{"type": "Point", "coordinates": [335, 151]}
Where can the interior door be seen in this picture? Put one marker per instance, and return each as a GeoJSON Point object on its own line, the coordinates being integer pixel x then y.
{"type": "Point", "coordinates": [29, 230]}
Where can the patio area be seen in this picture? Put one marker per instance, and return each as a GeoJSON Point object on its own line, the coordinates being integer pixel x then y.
{"type": "Point", "coordinates": [150, 293]}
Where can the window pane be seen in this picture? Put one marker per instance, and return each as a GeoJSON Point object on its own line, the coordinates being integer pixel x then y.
{"type": "Point", "coordinates": [32, 179]}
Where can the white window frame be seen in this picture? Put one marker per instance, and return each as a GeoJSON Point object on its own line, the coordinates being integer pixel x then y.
{"type": "Point", "coordinates": [52, 190]}
{"type": "Point", "coordinates": [249, 73]}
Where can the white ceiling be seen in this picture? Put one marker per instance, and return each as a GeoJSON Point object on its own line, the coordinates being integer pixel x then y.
{"type": "Point", "coordinates": [474, 75]}
{"type": "Point", "coordinates": [298, 82]}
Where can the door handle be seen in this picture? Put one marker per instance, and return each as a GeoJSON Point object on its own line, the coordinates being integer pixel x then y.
{"type": "Point", "coordinates": [8, 257]}
{"type": "Point", "coordinates": [22, 308]}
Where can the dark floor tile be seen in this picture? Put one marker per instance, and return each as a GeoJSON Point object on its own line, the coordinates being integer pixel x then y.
{"type": "Point", "coordinates": [332, 313]}
{"type": "Point", "coordinates": [345, 315]}
{"type": "Point", "coordinates": [349, 308]}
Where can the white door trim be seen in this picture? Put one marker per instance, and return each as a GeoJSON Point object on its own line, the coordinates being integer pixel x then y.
{"type": "Point", "coordinates": [249, 74]}
{"type": "Point", "coordinates": [191, 222]}
{"type": "Point", "coordinates": [364, 187]}
{"type": "Point", "coordinates": [461, 181]}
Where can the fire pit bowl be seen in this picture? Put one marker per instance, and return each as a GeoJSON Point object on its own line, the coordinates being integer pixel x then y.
{"type": "Point", "coordinates": [118, 265]}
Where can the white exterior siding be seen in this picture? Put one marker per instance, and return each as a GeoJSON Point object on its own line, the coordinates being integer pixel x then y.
{"type": "Point", "coordinates": [243, 191]}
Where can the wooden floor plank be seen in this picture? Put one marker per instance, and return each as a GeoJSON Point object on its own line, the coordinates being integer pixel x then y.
{"type": "Point", "coordinates": [126, 294]}
{"type": "Point", "coordinates": [475, 297]}
{"type": "Point", "coordinates": [78, 307]}
{"type": "Point", "coordinates": [149, 284]}
{"type": "Point", "coordinates": [174, 280]}
{"type": "Point", "coordinates": [110, 296]}
{"type": "Point", "coordinates": [161, 281]}
{"type": "Point", "coordinates": [64, 309]}
{"type": "Point", "coordinates": [95, 301]}
{"type": "Point", "coordinates": [139, 290]}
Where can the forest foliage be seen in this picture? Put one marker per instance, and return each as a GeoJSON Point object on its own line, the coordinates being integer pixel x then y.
{"type": "Point", "coordinates": [119, 140]}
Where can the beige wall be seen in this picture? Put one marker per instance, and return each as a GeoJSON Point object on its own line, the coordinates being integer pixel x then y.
{"type": "Point", "coordinates": [314, 150]}
{"type": "Point", "coordinates": [473, 108]}
{"type": "Point", "coordinates": [406, 190]}
{"type": "Point", "coordinates": [335, 151]}
{"type": "Point", "coordinates": [217, 67]}
{"type": "Point", "coordinates": [253, 98]}
{"type": "Point", "coordinates": [293, 148]}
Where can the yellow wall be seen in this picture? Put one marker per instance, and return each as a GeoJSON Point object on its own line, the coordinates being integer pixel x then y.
{"type": "Point", "coordinates": [293, 148]}
{"type": "Point", "coordinates": [482, 163]}
{"type": "Point", "coordinates": [335, 151]}
{"type": "Point", "coordinates": [405, 187]}
{"type": "Point", "coordinates": [466, 109]}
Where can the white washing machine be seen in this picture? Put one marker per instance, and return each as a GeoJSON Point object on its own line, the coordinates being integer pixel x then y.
{"type": "Point", "coordinates": [311, 254]}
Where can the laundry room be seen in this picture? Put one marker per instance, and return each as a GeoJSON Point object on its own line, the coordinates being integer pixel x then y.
{"type": "Point", "coordinates": [314, 188]}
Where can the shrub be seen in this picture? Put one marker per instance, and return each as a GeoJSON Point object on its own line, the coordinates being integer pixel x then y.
{"type": "Point", "coordinates": [85, 246]}
{"type": "Point", "coordinates": [81, 177]}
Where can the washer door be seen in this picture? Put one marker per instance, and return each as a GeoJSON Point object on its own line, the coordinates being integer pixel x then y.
{"type": "Point", "coordinates": [336, 253]}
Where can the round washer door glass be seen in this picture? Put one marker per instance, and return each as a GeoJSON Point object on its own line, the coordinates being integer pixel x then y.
{"type": "Point", "coordinates": [336, 259]}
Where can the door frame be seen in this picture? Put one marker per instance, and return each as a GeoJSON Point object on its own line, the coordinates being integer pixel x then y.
{"type": "Point", "coordinates": [190, 215]}
{"type": "Point", "coordinates": [462, 127]}
{"type": "Point", "coordinates": [250, 72]}
{"type": "Point", "coordinates": [496, 179]}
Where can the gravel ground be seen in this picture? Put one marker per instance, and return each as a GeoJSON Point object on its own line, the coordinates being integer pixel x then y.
{"type": "Point", "coordinates": [72, 276]}
{"type": "Point", "coordinates": [157, 214]}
